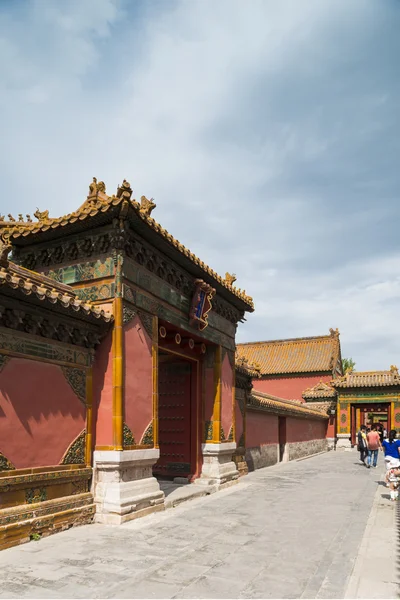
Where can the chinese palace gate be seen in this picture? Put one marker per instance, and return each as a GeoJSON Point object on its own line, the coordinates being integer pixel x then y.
{"type": "Point", "coordinates": [118, 369]}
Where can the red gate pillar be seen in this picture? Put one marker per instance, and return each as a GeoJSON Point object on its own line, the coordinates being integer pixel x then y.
{"type": "Point", "coordinates": [219, 470]}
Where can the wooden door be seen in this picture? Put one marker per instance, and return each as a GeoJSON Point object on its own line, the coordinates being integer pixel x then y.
{"type": "Point", "coordinates": [174, 417]}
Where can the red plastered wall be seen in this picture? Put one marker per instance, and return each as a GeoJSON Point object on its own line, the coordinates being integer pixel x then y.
{"type": "Point", "coordinates": [261, 429]}
{"type": "Point", "coordinates": [40, 415]}
{"type": "Point", "coordinates": [290, 388]}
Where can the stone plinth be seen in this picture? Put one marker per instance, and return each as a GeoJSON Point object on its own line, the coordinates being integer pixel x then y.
{"type": "Point", "coordinates": [218, 470]}
{"type": "Point", "coordinates": [343, 441]}
{"type": "Point", "coordinates": [124, 485]}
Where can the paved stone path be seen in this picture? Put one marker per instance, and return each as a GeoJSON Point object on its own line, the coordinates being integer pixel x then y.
{"type": "Point", "coordinates": [288, 531]}
{"type": "Point", "coordinates": [376, 572]}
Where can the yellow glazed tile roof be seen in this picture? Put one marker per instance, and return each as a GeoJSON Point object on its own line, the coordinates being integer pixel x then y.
{"type": "Point", "coordinates": [321, 390]}
{"type": "Point", "coordinates": [354, 379]}
{"type": "Point", "coordinates": [299, 355]}
{"type": "Point", "coordinates": [99, 202]}
{"type": "Point", "coordinates": [274, 404]}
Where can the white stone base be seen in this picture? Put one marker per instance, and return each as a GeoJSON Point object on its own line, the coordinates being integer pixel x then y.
{"type": "Point", "coordinates": [218, 470]}
{"type": "Point", "coordinates": [124, 485]}
{"type": "Point", "coordinates": [343, 441]}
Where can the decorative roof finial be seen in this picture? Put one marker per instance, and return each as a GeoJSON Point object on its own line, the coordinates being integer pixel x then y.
{"type": "Point", "coordinates": [394, 369]}
{"type": "Point", "coordinates": [11, 218]}
{"type": "Point", "coordinates": [146, 206]}
{"type": "Point", "coordinates": [124, 190]}
{"type": "Point", "coordinates": [41, 216]}
{"type": "Point", "coordinates": [95, 187]}
{"type": "Point", "coordinates": [230, 279]}
{"type": "Point", "coordinates": [334, 332]}
{"type": "Point", "coordinates": [5, 249]}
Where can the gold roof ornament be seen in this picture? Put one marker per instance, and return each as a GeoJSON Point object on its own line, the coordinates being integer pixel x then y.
{"type": "Point", "coordinates": [147, 206]}
{"type": "Point", "coordinates": [124, 191]}
{"type": "Point", "coordinates": [5, 249]}
{"type": "Point", "coordinates": [230, 279]}
{"type": "Point", "coordinates": [98, 202]}
{"type": "Point", "coordinates": [41, 216]}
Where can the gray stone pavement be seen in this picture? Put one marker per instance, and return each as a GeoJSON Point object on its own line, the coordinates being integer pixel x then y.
{"type": "Point", "coordinates": [376, 571]}
{"type": "Point", "coordinates": [288, 531]}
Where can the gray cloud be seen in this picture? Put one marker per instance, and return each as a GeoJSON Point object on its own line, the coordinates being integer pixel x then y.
{"type": "Point", "coordinates": [267, 132]}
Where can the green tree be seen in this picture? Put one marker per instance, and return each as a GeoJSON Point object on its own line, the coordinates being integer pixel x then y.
{"type": "Point", "coordinates": [348, 364]}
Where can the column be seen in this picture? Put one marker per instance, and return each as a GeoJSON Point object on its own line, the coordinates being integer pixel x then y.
{"type": "Point", "coordinates": [218, 469]}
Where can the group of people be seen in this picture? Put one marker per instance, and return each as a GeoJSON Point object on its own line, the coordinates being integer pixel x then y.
{"type": "Point", "coordinates": [370, 442]}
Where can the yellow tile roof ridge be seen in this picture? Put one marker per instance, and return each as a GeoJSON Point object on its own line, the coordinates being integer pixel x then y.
{"type": "Point", "coordinates": [277, 403]}
{"type": "Point", "coordinates": [316, 338]}
{"type": "Point", "coordinates": [98, 201]}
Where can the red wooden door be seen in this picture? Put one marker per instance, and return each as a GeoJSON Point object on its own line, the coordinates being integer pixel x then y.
{"type": "Point", "coordinates": [174, 418]}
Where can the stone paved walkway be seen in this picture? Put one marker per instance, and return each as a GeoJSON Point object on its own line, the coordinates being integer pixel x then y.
{"type": "Point", "coordinates": [289, 531]}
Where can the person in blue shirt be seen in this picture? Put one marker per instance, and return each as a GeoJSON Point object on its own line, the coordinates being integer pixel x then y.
{"type": "Point", "coordinates": [391, 445]}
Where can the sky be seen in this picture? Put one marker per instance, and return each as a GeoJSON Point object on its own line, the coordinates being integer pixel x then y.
{"type": "Point", "coordinates": [267, 132]}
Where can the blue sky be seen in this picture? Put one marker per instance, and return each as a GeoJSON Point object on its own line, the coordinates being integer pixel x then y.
{"type": "Point", "coordinates": [267, 132]}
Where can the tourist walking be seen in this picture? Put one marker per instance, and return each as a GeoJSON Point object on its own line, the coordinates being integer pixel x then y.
{"type": "Point", "coordinates": [391, 445]}
{"type": "Point", "coordinates": [362, 444]}
{"type": "Point", "coordinates": [374, 445]}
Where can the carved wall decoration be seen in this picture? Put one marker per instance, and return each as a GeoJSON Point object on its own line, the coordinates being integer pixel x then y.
{"type": "Point", "coordinates": [77, 380]}
{"type": "Point", "coordinates": [222, 434]}
{"type": "Point", "coordinates": [208, 430]}
{"type": "Point", "coordinates": [129, 440]}
{"type": "Point", "coordinates": [230, 435]}
{"type": "Point", "coordinates": [128, 293]}
{"type": "Point", "coordinates": [75, 455]}
{"type": "Point", "coordinates": [5, 464]}
{"type": "Point", "coordinates": [128, 314]}
{"type": "Point", "coordinates": [3, 361]}
{"type": "Point", "coordinates": [148, 437]}
{"type": "Point", "coordinates": [18, 344]}
{"type": "Point", "coordinates": [35, 495]}
{"type": "Point", "coordinates": [147, 322]}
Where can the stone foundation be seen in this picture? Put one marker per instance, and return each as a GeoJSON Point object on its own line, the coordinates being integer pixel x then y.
{"type": "Point", "coordinates": [218, 470]}
{"type": "Point", "coordinates": [239, 458]}
{"type": "Point", "coordinates": [331, 443]}
{"type": "Point", "coordinates": [124, 485]}
{"type": "Point", "coordinates": [262, 456]}
{"type": "Point", "coordinates": [297, 450]}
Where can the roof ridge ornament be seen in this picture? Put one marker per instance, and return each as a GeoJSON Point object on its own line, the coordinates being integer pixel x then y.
{"type": "Point", "coordinates": [146, 206]}
{"type": "Point", "coordinates": [124, 190]}
{"type": "Point", "coordinates": [5, 249]}
{"type": "Point", "coordinates": [230, 278]}
{"type": "Point", "coordinates": [41, 216]}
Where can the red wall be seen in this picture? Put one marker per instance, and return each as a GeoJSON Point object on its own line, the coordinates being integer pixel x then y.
{"type": "Point", "coordinates": [304, 430]}
{"type": "Point", "coordinates": [138, 378]}
{"type": "Point", "coordinates": [261, 429]}
{"type": "Point", "coordinates": [40, 415]}
{"type": "Point", "coordinates": [102, 394]}
{"type": "Point", "coordinates": [226, 395]}
{"type": "Point", "coordinates": [239, 423]}
{"type": "Point", "coordinates": [290, 388]}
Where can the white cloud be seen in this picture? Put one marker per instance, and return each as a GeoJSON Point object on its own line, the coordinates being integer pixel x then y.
{"type": "Point", "coordinates": [264, 130]}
